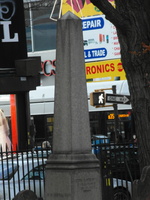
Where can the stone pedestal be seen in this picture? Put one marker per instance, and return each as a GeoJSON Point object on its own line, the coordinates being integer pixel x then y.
{"type": "Point", "coordinates": [72, 171]}
{"type": "Point", "coordinates": [73, 177]}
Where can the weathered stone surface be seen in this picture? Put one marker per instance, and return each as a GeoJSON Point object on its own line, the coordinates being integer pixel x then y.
{"type": "Point", "coordinates": [71, 127]}
{"type": "Point", "coordinates": [72, 171]}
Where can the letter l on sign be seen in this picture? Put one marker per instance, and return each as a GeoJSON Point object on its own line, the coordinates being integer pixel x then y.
{"type": "Point", "coordinates": [6, 31]}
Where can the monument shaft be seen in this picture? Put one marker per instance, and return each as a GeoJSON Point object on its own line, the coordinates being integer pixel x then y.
{"type": "Point", "coordinates": [72, 171]}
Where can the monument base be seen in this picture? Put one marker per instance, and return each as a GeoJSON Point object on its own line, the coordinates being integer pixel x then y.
{"type": "Point", "coordinates": [73, 177]}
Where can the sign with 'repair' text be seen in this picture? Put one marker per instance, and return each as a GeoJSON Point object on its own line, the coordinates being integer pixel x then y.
{"type": "Point", "coordinates": [100, 39]}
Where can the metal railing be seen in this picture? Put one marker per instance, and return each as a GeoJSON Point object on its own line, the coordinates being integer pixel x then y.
{"type": "Point", "coordinates": [22, 170]}
{"type": "Point", "coordinates": [25, 170]}
{"type": "Point", "coordinates": [119, 168]}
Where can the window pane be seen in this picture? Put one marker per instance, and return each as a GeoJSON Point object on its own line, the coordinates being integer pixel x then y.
{"type": "Point", "coordinates": [40, 29]}
{"type": "Point", "coordinates": [44, 30]}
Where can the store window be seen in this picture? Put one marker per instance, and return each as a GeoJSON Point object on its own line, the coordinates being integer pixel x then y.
{"type": "Point", "coordinates": [40, 29]}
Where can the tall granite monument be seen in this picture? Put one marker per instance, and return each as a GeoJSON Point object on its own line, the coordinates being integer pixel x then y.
{"type": "Point", "coordinates": [72, 171]}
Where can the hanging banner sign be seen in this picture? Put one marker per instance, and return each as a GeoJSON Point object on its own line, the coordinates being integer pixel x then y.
{"type": "Point", "coordinates": [81, 8]}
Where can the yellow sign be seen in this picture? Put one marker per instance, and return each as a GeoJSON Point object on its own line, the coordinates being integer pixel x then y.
{"type": "Point", "coordinates": [112, 116]}
{"type": "Point", "coordinates": [124, 115]}
{"type": "Point", "coordinates": [108, 70]}
{"type": "Point", "coordinates": [81, 10]}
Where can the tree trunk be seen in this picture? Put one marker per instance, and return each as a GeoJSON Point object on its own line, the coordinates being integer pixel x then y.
{"type": "Point", "coordinates": [131, 18]}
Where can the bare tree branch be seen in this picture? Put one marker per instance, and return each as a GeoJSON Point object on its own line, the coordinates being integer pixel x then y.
{"type": "Point", "coordinates": [112, 14]}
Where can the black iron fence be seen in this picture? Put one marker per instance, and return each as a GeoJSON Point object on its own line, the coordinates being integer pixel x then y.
{"type": "Point", "coordinates": [23, 170]}
{"type": "Point", "coordinates": [119, 168]}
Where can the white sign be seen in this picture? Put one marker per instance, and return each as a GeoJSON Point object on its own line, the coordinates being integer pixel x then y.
{"type": "Point", "coordinates": [117, 98]}
{"type": "Point", "coordinates": [100, 39]}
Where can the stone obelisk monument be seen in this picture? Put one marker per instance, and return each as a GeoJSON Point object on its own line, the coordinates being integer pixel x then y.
{"type": "Point", "coordinates": [72, 171]}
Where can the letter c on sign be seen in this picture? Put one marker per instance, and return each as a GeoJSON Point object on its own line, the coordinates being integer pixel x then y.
{"type": "Point", "coordinates": [43, 65]}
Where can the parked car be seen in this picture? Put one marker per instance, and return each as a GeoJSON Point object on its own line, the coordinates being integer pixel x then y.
{"type": "Point", "coordinates": [122, 189]}
{"type": "Point", "coordinates": [22, 172]}
{"type": "Point", "coordinates": [17, 178]}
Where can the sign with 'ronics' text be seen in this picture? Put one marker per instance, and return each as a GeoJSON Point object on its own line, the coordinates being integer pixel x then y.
{"type": "Point", "coordinates": [108, 70]}
{"type": "Point", "coordinates": [12, 32]}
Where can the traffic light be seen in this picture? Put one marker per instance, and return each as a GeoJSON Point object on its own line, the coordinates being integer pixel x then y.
{"type": "Point", "coordinates": [97, 99]}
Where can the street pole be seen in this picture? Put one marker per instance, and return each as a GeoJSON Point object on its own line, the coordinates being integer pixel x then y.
{"type": "Point", "coordinates": [116, 115]}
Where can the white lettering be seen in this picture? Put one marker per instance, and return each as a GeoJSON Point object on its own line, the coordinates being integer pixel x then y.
{"type": "Point", "coordinates": [99, 53]}
{"type": "Point", "coordinates": [99, 23]}
{"type": "Point", "coordinates": [96, 23]}
{"type": "Point", "coordinates": [85, 56]}
{"type": "Point", "coordinates": [88, 24]}
{"type": "Point", "coordinates": [6, 31]}
{"type": "Point", "coordinates": [84, 24]}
